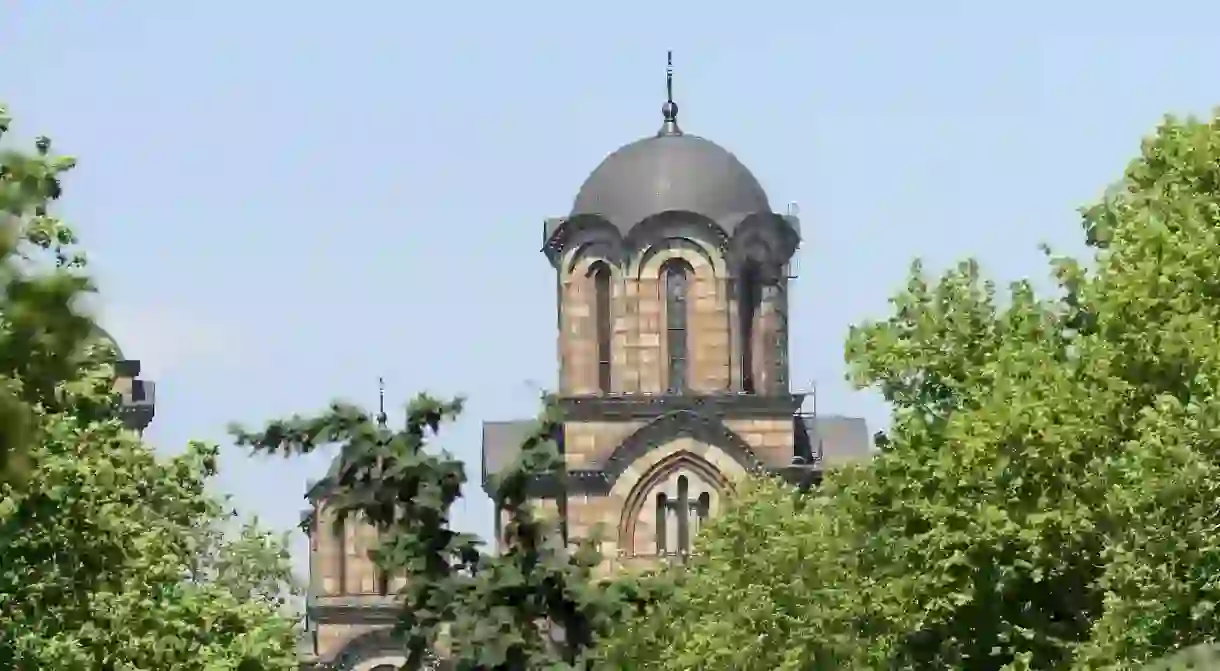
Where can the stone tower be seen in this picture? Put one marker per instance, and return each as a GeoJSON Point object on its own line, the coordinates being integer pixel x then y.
{"type": "Point", "coordinates": [351, 608]}
{"type": "Point", "coordinates": [672, 275]}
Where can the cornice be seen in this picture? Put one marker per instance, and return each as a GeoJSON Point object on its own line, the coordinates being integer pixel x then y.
{"type": "Point", "coordinates": [353, 609]}
{"type": "Point", "coordinates": [728, 405]}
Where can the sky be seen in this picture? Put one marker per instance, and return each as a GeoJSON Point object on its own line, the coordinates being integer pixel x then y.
{"type": "Point", "coordinates": [283, 202]}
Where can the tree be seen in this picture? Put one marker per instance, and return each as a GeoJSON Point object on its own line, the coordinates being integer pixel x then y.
{"type": "Point", "coordinates": [111, 557]}
{"type": "Point", "coordinates": [41, 278]}
{"type": "Point", "coordinates": [757, 595]}
{"type": "Point", "coordinates": [102, 564]}
{"type": "Point", "coordinates": [1046, 495]}
{"type": "Point", "coordinates": [533, 606]}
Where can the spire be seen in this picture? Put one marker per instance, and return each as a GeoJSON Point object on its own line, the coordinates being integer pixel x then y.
{"type": "Point", "coordinates": [381, 416]}
{"type": "Point", "coordinates": [670, 109]}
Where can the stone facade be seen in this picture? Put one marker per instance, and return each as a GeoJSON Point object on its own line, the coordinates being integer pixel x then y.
{"type": "Point", "coordinates": [351, 604]}
{"type": "Point", "coordinates": [672, 279]}
{"type": "Point", "coordinates": [673, 351]}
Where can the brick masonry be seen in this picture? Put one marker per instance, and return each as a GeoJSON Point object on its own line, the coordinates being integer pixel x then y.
{"type": "Point", "coordinates": [638, 343]}
{"type": "Point", "coordinates": [624, 519]}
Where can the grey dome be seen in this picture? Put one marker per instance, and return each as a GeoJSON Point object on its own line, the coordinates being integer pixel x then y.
{"type": "Point", "coordinates": [671, 172]}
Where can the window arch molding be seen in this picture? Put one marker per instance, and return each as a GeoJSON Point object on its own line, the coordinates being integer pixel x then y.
{"type": "Point", "coordinates": [707, 260]}
{"type": "Point", "coordinates": [642, 491]}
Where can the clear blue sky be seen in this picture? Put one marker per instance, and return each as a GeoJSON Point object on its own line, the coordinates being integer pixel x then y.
{"type": "Point", "coordinates": [284, 201]}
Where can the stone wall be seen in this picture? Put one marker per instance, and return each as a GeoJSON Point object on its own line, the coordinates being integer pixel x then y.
{"type": "Point", "coordinates": [590, 444]}
{"type": "Point", "coordinates": [339, 560]}
{"type": "Point", "coordinates": [771, 439]}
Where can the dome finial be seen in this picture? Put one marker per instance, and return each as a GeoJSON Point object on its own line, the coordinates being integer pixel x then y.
{"type": "Point", "coordinates": [381, 416]}
{"type": "Point", "coordinates": [670, 109]}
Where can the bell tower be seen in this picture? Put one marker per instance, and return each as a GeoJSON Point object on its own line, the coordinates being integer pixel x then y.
{"type": "Point", "coordinates": [672, 277]}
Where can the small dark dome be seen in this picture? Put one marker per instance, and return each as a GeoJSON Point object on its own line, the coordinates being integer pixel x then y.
{"type": "Point", "coordinates": [671, 172]}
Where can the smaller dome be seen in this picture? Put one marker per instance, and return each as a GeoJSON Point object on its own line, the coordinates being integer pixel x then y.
{"type": "Point", "coordinates": [102, 334]}
{"type": "Point", "coordinates": [671, 171]}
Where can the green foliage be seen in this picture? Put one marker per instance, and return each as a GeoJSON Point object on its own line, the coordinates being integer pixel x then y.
{"type": "Point", "coordinates": [103, 566]}
{"type": "Point", "coordinates": [1046, 497]}
{"type": "Point", "coordinates": [767, 573]}
{"type": "Point", "coordinates": [110, 556]}
{"type": "Point", "coordinates": [500, 612]}
{"type": "Point", "coordinates": [41, 330]}
{"type": "Point", "coordinates": [1201, 657]}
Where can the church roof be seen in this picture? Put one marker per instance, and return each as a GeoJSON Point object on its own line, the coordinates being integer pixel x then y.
{"type": "Point", "coordinates": [502, 442]}
{"type": "Point", "coordinates": [832, 439]}
{"type": "Point", "coordinates": [671, 172]}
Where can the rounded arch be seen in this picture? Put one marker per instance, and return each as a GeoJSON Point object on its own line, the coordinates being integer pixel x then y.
{"type": "Point", "coordinates": [648, 262]}
{"type": "Point", "coordinates": [368, 650]}
{"type": "Point", "coordinates": [768, 230]}
{"type": "Point", "coordinates": [708, 431]}
{"type": "Point", "coordinates": [580, 257]}
{"type": "Point", "coordinates": [574, 231]}
{"type": "Point", "coordinates": [703, 243]}
{"type": "Point", "coordinates": [677, 223]}
{"type": "Point", "coordinates": [640, 493]}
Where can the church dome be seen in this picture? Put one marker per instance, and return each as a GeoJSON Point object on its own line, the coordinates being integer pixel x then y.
{"type": "Point", "coordinates": [671, 171]}
{"type": "Point", "coordinates": [100, 333]}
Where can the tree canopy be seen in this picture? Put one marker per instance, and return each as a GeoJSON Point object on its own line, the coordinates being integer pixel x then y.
{"type": "Point", "coordinates": [533, 605]}
{"type": "Point", "coordinates": [1046, 494]}
{"type": "Point", "coordinates": [111, 556]}
{"type": "Point", "coordinates": [41, 279]}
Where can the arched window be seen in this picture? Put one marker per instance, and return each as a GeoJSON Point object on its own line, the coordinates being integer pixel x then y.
{"type": "Point", "coordinates": [679, 519]}
{"type": "Point", "coordinates": [676, 275]}
{"type": "Point", "coordinates": [748, 303]}
{"type": "Point", "coordinates": [601, 291]}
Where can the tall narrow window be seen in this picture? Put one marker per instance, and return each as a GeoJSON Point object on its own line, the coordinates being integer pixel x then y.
{"type": "Point", "coordinates": [677, 289]}
{"type": "Point", "coordinates": [662, 523]}
{"type": "Point", "coordinates": [747, 306]}
{"type": "Point", "coordinates": [339, 530]}
{"type": "Point", "coordinates": [383, 578]}
{"type": "Point", "coordinates": [601, 290]}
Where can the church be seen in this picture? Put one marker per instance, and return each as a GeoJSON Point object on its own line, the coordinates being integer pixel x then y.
{"type": "Point", "coordinates": [672, 275]}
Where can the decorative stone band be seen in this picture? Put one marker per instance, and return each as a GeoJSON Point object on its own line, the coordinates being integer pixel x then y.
{"type": "Point", "coordinates": [600, 482]}
{"type": "Point", "coordinates": [359, 609]}
{"type": "Point", "coordinates": [729, 405]}
{"type": "Point", "coordinates": [365, 651]}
